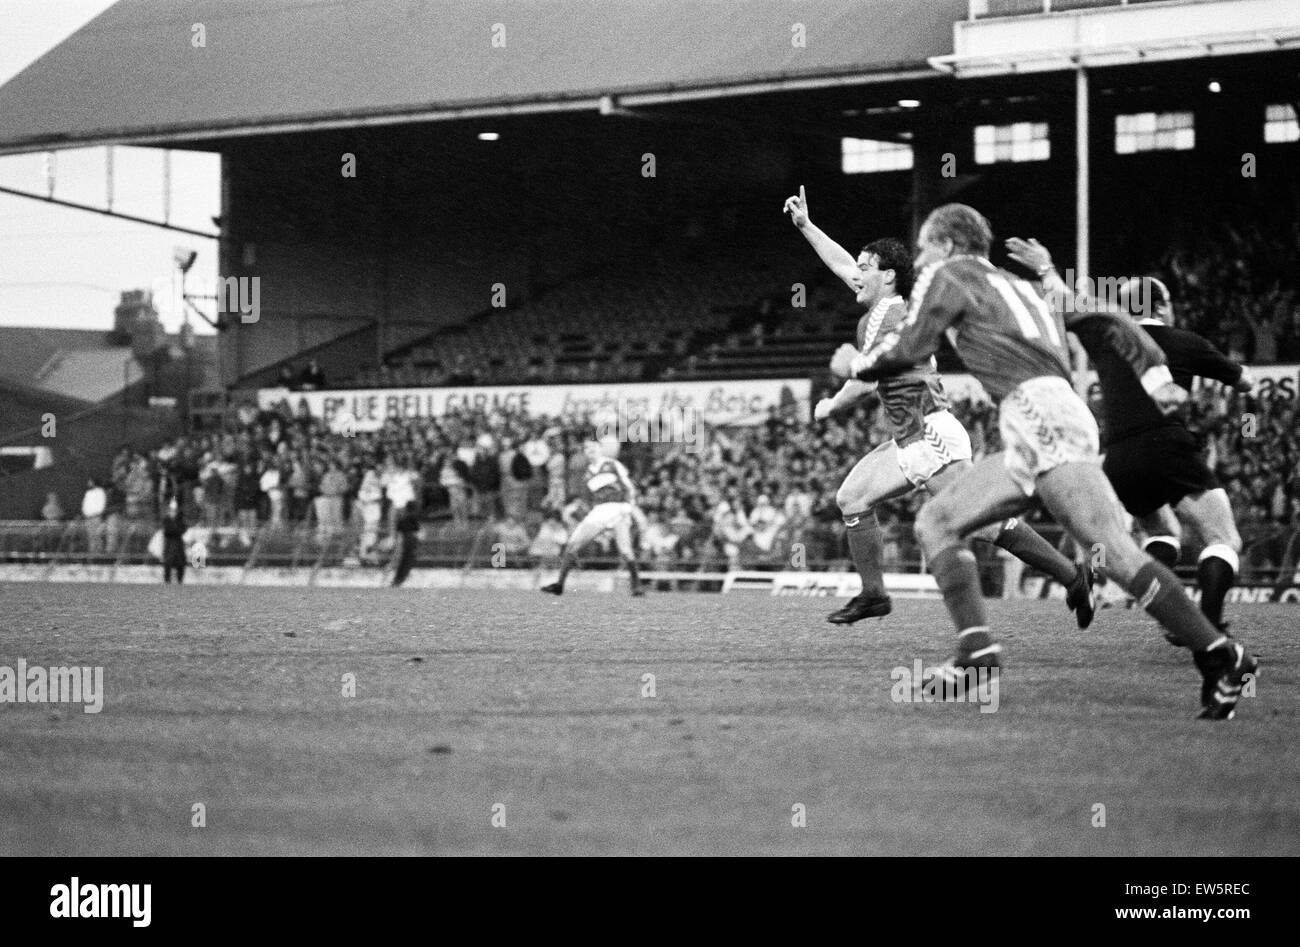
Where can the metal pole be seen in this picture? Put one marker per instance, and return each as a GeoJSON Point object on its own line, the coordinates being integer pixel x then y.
{"type": "Point", "coordinates": [107, 213]}
{"type": "Point", "coordinates": [1082, 221]}
{"type": "Point", "coordinates": [167, 187]}
{"type": "Point", "coordinates": [1082, 225]}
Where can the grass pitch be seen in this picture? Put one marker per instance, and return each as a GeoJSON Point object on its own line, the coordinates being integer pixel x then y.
{"type": "Point", "coordinates": [469, 701]}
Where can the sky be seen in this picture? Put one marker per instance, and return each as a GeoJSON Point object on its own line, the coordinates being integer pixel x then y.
{"type": "Point", "coordinates": [65, 268]}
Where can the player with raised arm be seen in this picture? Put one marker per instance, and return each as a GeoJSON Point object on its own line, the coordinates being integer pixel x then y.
{"type": "Point", "coordinates": [613, 507]}
{"type": "Point", "coordinates": [1151, 458]}
{"type": "Point", "coordinates": [1015, 344]}
{"type": "Point", "coordinates": [929, 446]}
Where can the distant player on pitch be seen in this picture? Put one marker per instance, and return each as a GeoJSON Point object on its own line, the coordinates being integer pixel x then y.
{"type": "Point", "coordinates": [613, 508]}
{"type": "Point", "coordinates": [929, 447]}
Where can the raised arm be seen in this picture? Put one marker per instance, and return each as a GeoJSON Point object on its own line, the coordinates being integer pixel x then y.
{"type": "Point", "coordinates": [1198, 356]}
{"type": "Point", "coordinates": [1099, 327]}
{"type": "Point", "coordinates": [838, 260]}
{"type": "Point", "coordinates": [1034, 256]}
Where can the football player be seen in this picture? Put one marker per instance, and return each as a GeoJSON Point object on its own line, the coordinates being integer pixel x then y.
{"type": "Point", "coordinates": [1014, 343]}
{"type": "Point", "coordinates": [1153, 461]}
{"type": "Point", "coordinates": [929, 447]}
{"type": "Point", "coordinates": [613, 508]}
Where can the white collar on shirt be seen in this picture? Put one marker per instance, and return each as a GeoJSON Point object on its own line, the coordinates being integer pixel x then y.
{"type": "Point", "coordinates": [1151, 322]}
{"type": "Point", "coordinates": [885, 303]}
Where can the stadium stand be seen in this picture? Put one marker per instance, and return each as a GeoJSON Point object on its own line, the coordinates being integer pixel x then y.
{"type": "Point", "coordinates": [486, 478]}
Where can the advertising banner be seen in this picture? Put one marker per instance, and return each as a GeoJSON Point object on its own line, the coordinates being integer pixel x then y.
{"type": "Point", "coordinates": [713, 402]}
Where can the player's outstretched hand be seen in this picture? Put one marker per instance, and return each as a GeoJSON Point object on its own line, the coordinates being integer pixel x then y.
{"type": "Point", "coordinates": [1246, 382]}
{"type": "Point", "coordinates": [842, 360]}
{"type": "Point", "coordinates": [823, 409]}
{"type": "Point", "coordinates": [797, 207]}
{"type": "Point", "coordinates": [1029, 253]}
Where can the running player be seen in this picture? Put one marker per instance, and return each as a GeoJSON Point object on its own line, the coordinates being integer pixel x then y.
{"type": "Point", "coordinates": [613, 508]}
{"type": "Point", "coordinates": [1015, 345]}
{"type": "Point", "coordinates": [929, 447]}
{"type": "Point", "coordinates": [1152, 459]}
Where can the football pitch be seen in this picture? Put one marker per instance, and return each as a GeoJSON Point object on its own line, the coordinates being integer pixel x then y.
{"type": "Point", "coordinates": [409, 722]}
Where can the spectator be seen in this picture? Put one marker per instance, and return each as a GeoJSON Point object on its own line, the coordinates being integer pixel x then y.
{"type": "Point", "coordinates": [515, 473]}
{"type": "Point", "coordinates": [299, 491]}
{"type": "Point", "coordinates": [114, 507]}
{"type": "Point", "coordinates": [269, 485]}
{"type": "Point", "coordinates": [92, 512]}
{"type": "Point", "coordinates": [329, 505]}
{"type": "Point", "coordinates": [213, 493]}
{"type": "Point", "coordinates": [556, 472]}
{"type": "Point", "coordinates": [312, 378]}
{"type": "Point", "coordinates": [248, 493]}
{"type": "Point", "coordinates": [485, 476]}
{"type": "Point", "coordinates": [730, 529]}
{"type": "Point", "coordinates": [370, 500]}
{"type": "Point", "coordinates": [399, 486]}
{"type": "Point", "coordinates": [408, 541]}
{"type": "Point", "coordinates": [453, 478]}
{"type": "Point", "coordinates": [766, 522]}
{"type": "Point", "coordinates": [173, 530]}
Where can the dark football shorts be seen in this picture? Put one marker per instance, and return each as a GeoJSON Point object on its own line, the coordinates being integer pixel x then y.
{"type": "Point", "coordinates": [1157, 467]}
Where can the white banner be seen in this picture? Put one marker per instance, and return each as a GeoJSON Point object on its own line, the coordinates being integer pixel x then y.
{"type": "Point", "coordinates": [714, 402]}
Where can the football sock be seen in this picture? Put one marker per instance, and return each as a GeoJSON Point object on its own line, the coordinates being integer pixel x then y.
{"type": "Point", "coordinates": [1019, 538]}
{"type": "Point", "coordinates": [864, 548]}
{"type": "Point", "coordinates": [1158, 590]}
{"type": "Point", "coordinates": [633, 575]}
{"type": "Point", "coordinates": [1163, 549]}
{"type": "Point", "coordinates": [1216, 571]}
{"type": "Point", "coordinates": [566, 563]}
{"type": "Point", "coordinates": [957, 575]}
{"type": "Point", "coordinates": [975, 643]}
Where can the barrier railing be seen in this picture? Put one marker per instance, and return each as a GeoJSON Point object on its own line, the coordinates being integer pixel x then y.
{"type": "Point", "coordinates": [302, 546]}
{"type": "Point", "coordinates": [306, 546]}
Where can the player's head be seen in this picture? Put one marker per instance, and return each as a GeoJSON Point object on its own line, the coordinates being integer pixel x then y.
{"type": "Point", "coordinates": [591, 448]}
{"type": "Point", "coordinates": [885, 268]}
{"type": "Point", "coordinates": [1146, 297]}
{"type": "Point", "coordinates": [953, 230]}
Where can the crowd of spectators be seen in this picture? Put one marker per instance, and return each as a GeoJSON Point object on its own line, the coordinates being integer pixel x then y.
{"type": "Point", "coordinates": [752, 496]}
{"type": "Point", "coordinates": [1235, 278]}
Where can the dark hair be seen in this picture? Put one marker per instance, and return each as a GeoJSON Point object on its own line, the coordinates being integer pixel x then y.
{"type": "Point", "coordinates": [967, 228]}
{"type": "Point", "coordinates": [892, 254]}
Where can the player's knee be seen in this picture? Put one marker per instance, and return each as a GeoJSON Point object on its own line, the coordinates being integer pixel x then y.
{"type": "Point", "coordinates": [936, 528]}
{"type": "Point", "coordinates": [848, 499]}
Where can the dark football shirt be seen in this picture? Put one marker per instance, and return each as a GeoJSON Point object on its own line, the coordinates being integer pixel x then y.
{"type": "Point", "coordinates": [912, 394]}
{"type": "Point", "coordinates": [999, 326]}
{"type": "Point", "coordinates": [1121, 354]}
{"type": "Point", "coordinates": [1190, 355]}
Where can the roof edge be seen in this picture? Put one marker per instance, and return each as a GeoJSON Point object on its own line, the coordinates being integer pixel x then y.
{"type": "Point", "coordinates": [577, 101]}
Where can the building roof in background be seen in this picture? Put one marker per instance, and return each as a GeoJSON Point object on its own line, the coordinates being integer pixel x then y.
{"type": "Point", "coordinates": [132, 74]}
{"type": "Point", "coordinates": [78, 364]}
